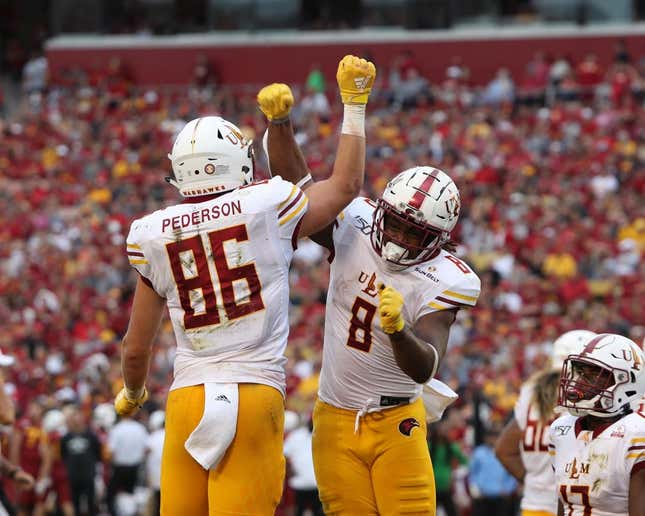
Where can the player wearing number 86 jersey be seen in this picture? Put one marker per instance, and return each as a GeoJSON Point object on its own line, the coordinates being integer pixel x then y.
{"type": "Point", "coordinates": [393, 295]}
{"type": "Point", "coordinates": [220, 263]}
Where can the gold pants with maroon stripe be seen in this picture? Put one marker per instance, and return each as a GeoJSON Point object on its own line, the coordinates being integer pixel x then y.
{"type": "Point", "coordinates": [249, 478]}
{"type": "Point", "coordinates": [384, 468]}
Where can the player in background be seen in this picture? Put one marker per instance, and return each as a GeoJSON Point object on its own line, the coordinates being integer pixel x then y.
{"type": "Point", "coordinates": [29, 447]}
{"type": "Point", "coordinates": [522, 446]}
{"type": "Point", "coordinates": [219, 261]}
{"type": "Point", "coordinates": [393, 295]}
{"type": "Point", "coordinates": [598, 448]}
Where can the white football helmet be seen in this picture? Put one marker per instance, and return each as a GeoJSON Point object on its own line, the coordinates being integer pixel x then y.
{"type": "Point", "coordinates": [157, 420]}
{"type": "Point", "coordinates": [104, 416]}
{"type": "Point", "coordinates": [423, 199]}
{"type": "Point", "coordinates": [54, 421]}
{"type": "Point", "coordinates": [605, 379]}
{"type": "Point", "coordinates": [569, 343]}
{"type": "Point", "coordinates": [210, 155]}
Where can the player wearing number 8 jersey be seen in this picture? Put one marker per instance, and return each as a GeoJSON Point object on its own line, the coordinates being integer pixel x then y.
{"type": "Point", "coordinates": [382, 343]}
{"type": "Point", "coordinates": [523, 445]}
{"type": "Point", "coordinates": [598, 449]}
{"type": "Point", "coordinates": [219, 262]}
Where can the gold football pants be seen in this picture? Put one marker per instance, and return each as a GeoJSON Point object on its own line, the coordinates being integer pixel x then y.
{"type": "Point", "coordinates": [249, 478]}
{"type": "Point", "coordinates": [384, 468]}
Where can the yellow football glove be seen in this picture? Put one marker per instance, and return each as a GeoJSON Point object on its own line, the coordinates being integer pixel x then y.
{"type": "Point", "coordinates": [390, 307]}
{"type": "Point", "coordinates": [355, 77]}
{"type": "Point", "coordinates": [125, 406]}
{"type": "Point", "coordinates": [275, 101]}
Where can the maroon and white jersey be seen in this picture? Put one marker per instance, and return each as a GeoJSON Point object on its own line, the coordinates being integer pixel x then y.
{"type": "Point", "coordinates": [359, 369]}
{"type": "Point", "coordinates": [222, 264]}
{"type": "Point", "coordinates": [593, 469]}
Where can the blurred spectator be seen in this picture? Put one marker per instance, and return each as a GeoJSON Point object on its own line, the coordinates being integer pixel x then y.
{"type": "Point", "coordinates": [127, 444]}
{"type": "Point", "coordinates": [29, 447]}
{"type": "Point", "coordinates": [445, 454]}
{"type": "Point", "coordinates": [81, 453]}
{"type": "Point", "coordinates": [491, 486]}
{"type": "Point", "coordinates": [35, 74]}
{"type": "Point", "coordinates": [301, 477]}
{"type": "Point", "coordinates": [203, 72]}
{"type": "Point", "coordinates": [56, 493]}
{"type": "Point", "coordinates": [154, 449]}
{"type": "Point", "coordinates": [408, 86]}
{"type": "Point", "coordinates": [501, 89]}
{"type": "Point", "coordinates": [315, 101]}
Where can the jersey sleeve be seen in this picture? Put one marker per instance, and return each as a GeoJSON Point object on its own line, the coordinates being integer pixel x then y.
{"type": "Point", "coordinates": [292, 204]}
{"type": "Point", "coordinates": [635, 448]}
{"type": "Point", "coordinates": [462, 292]}
{"type": "Point", "coordinates": [358, 214]}
{"type": "Point", "coordinates": [135, 252]}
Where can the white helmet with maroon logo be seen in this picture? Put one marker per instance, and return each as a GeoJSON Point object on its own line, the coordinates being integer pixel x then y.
{"type": "Point", "coordinates": [605, 379]}
{"type": "Point", "coordinates": [424, 199]}
{"type": "Point", "coordinates": [569, 343]}
{"type": "Point", "coordinates": [210, 155]}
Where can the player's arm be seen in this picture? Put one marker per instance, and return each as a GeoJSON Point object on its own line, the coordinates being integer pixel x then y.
{"type": "Point", "coordinates": [136, 348]}
{"type": "Point", "coordinates": [561, 508]}
{"type": "Point", "coordinates": [7, 410]}
{"type": "Point", "coordinates": [637, 493]}
{"type": "Point", "coordinates": [507, 449]}
{"type": "Point", "coordinates": [284, 154]}
{"type": "Point", "coordinates": [419, 350]}
{"type": "Point", "coordinates": [327, 198]}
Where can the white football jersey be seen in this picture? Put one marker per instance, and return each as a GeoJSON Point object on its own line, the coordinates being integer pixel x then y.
{"type": "Point", "coordinates": [592, 472]}
{"type": "Point", "coordinates": [222, 264]}
{"type": "Point", "coordinates": [538, 494]}
{"type": "Point", "coordinates": [359, 369]}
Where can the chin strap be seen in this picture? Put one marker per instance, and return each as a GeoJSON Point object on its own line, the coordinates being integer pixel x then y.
{"type": "Point", "coordinates": [171, 180]}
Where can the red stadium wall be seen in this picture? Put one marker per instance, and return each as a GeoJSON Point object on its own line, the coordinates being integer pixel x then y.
{"type": "Point", "coordinates": [240, 59]}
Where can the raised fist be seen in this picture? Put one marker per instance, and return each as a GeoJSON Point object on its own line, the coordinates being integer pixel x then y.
{"type": "Point", "coordinates": [275, 101]}
{"type": "Point", "coordinates": [355, 77]}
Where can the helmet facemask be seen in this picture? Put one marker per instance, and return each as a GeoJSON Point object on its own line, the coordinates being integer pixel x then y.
{"type": "Point", "coordinates": [587, 386]}
{"type": "Point", "coordinates": [389, 229]}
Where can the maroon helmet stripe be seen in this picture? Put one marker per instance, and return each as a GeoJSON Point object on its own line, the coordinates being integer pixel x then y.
{"type": "Point", "coordinates": [591, 345]}
{"type": "Point", "coordinates": [420, 193]}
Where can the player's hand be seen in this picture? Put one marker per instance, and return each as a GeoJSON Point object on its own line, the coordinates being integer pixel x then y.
{"type": "Point", "coordinates": [275, 101]}
{"type": "Point", "coordinates": [390, 306]}
{"type": "Point", "coordinates": [24, 479]}
{"type": "Point", "coordinates": [355, 77]}
{"type": "Point", "coordinates": [125, 406]}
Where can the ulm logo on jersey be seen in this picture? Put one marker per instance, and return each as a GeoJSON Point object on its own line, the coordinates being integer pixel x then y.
{"type": "Point", "coordinates": [575, 469]}
{"type": "Point", "coordinates": [370, 282]}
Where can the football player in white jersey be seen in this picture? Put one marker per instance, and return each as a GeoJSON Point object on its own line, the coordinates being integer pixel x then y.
{"type": "Point", "coordinates": [598, 449]}
{"type": "Point", "coordinates": [219, 261]}
{"type": "Point", "coordinates": [382, 343]}
{"type": "Point", "coordinates": [522, 446]}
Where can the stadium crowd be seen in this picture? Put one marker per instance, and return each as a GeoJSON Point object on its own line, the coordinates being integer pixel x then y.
{"type": "Point", "coordinates": [550, 170]}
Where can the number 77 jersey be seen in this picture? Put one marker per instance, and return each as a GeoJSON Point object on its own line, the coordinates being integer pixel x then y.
{"type": "Point", "coordinates": [359, 369]}
{"type": "Point", "coordinates": [222, 265]}
{"type": "Point", "coordinates": [593, 469]}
